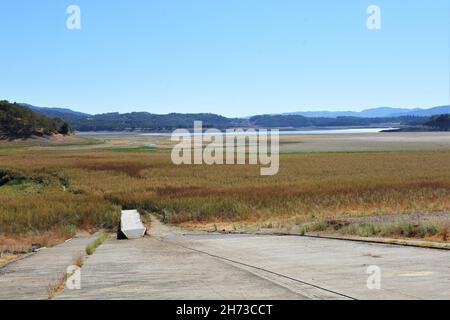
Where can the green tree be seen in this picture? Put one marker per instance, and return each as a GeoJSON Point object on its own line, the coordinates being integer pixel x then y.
{"type": "Point", "coordinates": [441, 122]}
{"type": "Point", "coordinates": [65, 128]}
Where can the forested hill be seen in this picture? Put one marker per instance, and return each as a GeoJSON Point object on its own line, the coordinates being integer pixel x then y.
{"type": "Point", "coordinates": [297, 121]}
{"type": "Point", "coordinates": [150, 122]}
{"type": "Point", "coordinates": [17, 121]}
{"type": "Point", "coordinates": [440, 123]}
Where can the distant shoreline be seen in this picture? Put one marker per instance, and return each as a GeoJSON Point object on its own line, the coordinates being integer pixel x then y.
{"type": "Point", "coordinates": [285, 131]}
{"type": "Point", "coordinates": [414, 129]}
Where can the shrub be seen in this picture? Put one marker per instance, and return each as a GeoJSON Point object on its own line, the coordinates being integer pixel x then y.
{"type": "Point", "coordinates": [93, 245]}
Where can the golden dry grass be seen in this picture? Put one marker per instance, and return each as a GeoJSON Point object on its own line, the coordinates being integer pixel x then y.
{"type": "Point", "coordinates": [57, 286]}
{"type": "Point", "coordinates": [7, 257]}
{"type": "Point", "coordinates": [308, 187]}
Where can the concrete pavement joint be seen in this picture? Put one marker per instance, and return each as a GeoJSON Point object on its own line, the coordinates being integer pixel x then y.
{"type": "Point", "coordinates": [257, 268]}
{"type": "Point", "coordinates": [392, 242]}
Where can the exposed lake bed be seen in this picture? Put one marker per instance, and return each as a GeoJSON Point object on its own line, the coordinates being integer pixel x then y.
{"type": "Point", "coordinates": [344, 140]}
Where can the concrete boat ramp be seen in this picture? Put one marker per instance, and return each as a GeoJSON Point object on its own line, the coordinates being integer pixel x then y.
{"type": "Point", "coordinates": [171, 264]}
{"type": "Point", "coordinates": [30, 277]}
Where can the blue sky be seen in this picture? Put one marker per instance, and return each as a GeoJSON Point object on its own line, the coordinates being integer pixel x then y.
{"type": "Point", "coordinates": [232, 57]}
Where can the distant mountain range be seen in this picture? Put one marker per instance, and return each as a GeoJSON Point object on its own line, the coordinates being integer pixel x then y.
{"type": "Point", "coordinates": [55, 112]}
{"type": "Point", "coordinates": [146, 121]}
{"type": "Point", "coordinates": [115, 121]}
{"type": "Point", "coordinates": [383, 112]}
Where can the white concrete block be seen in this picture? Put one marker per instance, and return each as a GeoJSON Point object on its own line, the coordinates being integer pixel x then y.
{"type": "Point", "coordinates": [131, 224]}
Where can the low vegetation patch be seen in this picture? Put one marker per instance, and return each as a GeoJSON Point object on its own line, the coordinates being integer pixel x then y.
{"type": "Point", "coordinates": [129, 168]}
{"type": "Point", "coordinates": [78, 260]}
{"type": "Point", "coordinates": [93, 245]}
{"type": "Point", "coordinates": [7, 257]}
{"type": "Point", "coordinates": [7, 176]}
{"type": "Point", "coordinates": [37, 207]}
{"type": "Point", "coordinates": [57, 286]}
{"type": "Point", "coordinates": [438, 230]}
{"type": "Point", "coordinates": [132, 149]}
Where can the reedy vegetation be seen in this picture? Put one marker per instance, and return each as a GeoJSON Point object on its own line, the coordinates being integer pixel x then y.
{"type": "Point", "coordinates": [309, 187]}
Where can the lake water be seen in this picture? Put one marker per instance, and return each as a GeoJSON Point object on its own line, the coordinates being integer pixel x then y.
{"type": "Point", "coordinates": [292, 132]}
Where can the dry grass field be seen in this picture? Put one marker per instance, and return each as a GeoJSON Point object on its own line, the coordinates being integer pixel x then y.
{"type": "Point", "coordinates": [50, 194]}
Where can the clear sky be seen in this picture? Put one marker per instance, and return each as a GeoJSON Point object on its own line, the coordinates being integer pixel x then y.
{"type": "Point", "coordinates": [232, 57]}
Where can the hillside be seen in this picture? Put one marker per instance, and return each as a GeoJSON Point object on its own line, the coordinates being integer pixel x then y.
{"type": "Point", "coordinates": [56, 112]}
{"type": "Point", "coordinates": [440, 123]}
{"type": "Point", "coordinates": [145, 121]}
{"type": "Point", "coordinates": [298, 121]}
{"type": "Point", "coordinates": [17, 121]}
{"type": "Point", "coordinates": [148, 121]}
